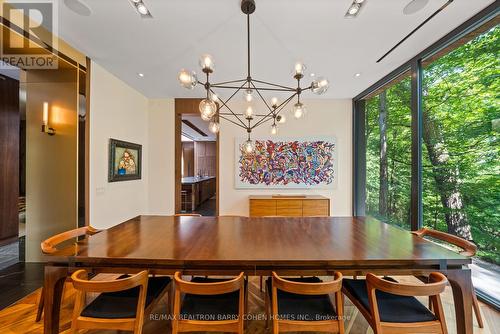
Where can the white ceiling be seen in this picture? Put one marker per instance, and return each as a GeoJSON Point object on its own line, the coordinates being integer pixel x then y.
{"type": "Point", "coordinates": [200, 124]}
{"type": "Point", "coordinates": [283, 31]}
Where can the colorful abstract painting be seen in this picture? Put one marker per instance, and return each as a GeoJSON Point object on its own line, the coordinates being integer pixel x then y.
{"type": "Point", "coordinates": [286, 163]}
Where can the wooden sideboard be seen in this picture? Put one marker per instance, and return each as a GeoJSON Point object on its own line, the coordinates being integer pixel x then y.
{"type": "Point", "coordinates": [289, 206]}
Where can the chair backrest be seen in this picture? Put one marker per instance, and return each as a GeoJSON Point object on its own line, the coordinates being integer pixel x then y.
{"type": "Point", "coordinates": [187, 215]}
{"type": "Point", "coordinates": [308, 288]}
{"type": "Point", "coordinates": [81, 282]}
{"type": "Point", "coordinates": [82, 285]}
{"type": "Point", "coordinates": [215, 288]}
{"type": "Point", "coordinates": [49, 246]}
{"type": "Point", "coordinates": [468, 248]}
{"type": "Point", "coordinates": [436, 286]}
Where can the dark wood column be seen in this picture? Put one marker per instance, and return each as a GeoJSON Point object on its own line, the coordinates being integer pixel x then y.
{"type": "Point", "coordinates": [9, 159]}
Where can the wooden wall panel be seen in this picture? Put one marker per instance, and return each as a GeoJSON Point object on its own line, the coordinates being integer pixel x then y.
{"type": "Point", "coordinates": [9, 158]}
{"type": "Point", "coordinates": [188, 154]}
{"type": "Point", "coordinates": [205, 158]}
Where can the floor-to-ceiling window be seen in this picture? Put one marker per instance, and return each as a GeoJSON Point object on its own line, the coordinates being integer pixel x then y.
{"type": "Point", "coordinates": [428, 145]}
{"type": "Point", "coordinates": [461, 145]}
{"type": "Point", "coordinates": [388, 152]}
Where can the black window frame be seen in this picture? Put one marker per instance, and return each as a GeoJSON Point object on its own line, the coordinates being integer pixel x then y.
{"type": "Point", "coordinates": [414, 65]}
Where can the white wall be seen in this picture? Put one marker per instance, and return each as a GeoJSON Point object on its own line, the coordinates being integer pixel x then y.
{"type": "Point", "coordinates": [324, 118]}
{"type": "Point", "coordinates": [120, 112]}
{"type": "Point", "coordinates": [161, 162]}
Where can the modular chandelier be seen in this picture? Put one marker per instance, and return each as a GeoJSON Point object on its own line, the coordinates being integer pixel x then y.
{"type": "Point", "coordinates": [213, 108]}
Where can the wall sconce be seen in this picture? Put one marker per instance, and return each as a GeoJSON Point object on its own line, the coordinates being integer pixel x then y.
{"type": "Point", "coordinates": [45, 120]}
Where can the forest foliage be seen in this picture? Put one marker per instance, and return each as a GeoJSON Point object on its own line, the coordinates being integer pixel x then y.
{"type": "Point", "coordinates": [460, 146]}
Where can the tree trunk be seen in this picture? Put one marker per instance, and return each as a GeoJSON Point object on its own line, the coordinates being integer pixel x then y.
{"type": "Point", "coordinates": [383, 172]}
{"type": "Point", "coordinates": [446, 178]}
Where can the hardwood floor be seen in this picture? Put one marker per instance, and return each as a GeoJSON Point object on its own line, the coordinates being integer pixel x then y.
{"type": "Point", "coordinates": [20, 317]}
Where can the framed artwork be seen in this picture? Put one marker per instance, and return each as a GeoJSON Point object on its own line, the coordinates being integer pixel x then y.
{"type": "Point", "coordinates": [125, 160]}
{"type": "Point", "coordinates": [286, 163]}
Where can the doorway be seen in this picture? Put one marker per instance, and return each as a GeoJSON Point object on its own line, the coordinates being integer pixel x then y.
{"type": "Point", "coordinates": [196, 161]}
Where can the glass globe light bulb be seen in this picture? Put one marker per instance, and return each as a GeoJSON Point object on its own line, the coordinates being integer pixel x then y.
{"type": "Point", "coordinates": [320, 85]}
{"type": "Point", "coordinates": [274, 102]}
{"type": "Point", "coordinates": [298, 110]}
{"type": "Point", "coordinates": [187, 79]}
{"type": "Point", "coordinates": [207, 63]}
{"type": "Point", "coordinates": [249, 146]}
{"type": "Point", "coordinates": [214, 126]}
{"type": "Point", "coordinates": [281, 119]}
{"type": "Point", "coordinates": [274, 129]}
{"type": "Point", "coordinates": [208, 109]}
{"type": "Point", "coordinates": [299, 68]}
{"type": "Point", "coordinates": [249, 112]}
{"type": "Point", "coordinates": [248, 95]}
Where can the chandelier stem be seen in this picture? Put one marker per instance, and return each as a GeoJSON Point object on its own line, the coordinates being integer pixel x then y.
{"type": "Point", "coordinates": [248, 46]}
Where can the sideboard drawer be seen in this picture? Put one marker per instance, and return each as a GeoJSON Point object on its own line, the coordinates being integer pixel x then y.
{"type": "Point", "coordinates": [289, 206]}
{"type": "Point", "coordinates": [316, 208]}
{"type": "Point", "coordinates": [259, 208]}
{"type": "Point", "coordinates": [292, 208]}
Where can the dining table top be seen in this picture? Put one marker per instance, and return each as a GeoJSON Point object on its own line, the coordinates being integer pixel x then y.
{"type": "Point", "coordinates": [258, 241]}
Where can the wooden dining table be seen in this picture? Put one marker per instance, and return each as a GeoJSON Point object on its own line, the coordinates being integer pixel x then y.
{"type": "Point", "coordinates": [257, 246]}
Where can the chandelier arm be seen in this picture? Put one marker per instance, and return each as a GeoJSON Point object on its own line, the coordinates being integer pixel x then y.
{"type": "Point", "coordinates": [230, 114]}
{"type": "Point", "coordinates": [260, 88]}
{"type": "Point", "coordinates": [225, 105]}
{"type": "Point", "coordinates": [261, 97]}
{"type": "Point", "coordinates": [283, 104]}
{"type": "Point", "coordinates": [230, 120]}
{"type": "Point", "coordinates": [228, 82]}
{"type": "Point", "coordinates": [271, 84]}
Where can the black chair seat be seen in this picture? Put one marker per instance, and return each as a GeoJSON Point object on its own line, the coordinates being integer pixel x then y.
{"type": "Point", "coordinates": [210, 307]}
{"type": "Point", "coordinates": [123, 304]}
{"type": "Point", "coordinates": [392, 308]}
{"type": "Point", "coordinates": [298, 307]}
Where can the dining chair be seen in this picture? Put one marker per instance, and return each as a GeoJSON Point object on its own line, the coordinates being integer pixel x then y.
{"type": "Point", "coordinates": [304, 304]}
{"type": "Point", "coordinates": [121, 302]}
{"type": "Point", "coordinates": [209, 304]}
{"type": "Point", "coordinates": [391, 307]}
{"type": "Point", "coordinates": [49, 246]}
{"type": "Point", "coordinates": [468, 249]}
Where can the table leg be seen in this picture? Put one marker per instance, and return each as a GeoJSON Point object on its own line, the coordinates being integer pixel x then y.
{"type": "Point", "coordinates": [53, 287]}
{"type": "Point", "coordinates": [461, 283]}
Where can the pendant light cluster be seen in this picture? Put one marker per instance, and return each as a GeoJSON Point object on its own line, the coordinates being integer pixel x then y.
{"type": "Point", "coordinates": [213, 108]}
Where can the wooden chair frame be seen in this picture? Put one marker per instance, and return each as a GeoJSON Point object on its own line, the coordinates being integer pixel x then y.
{"type": "Point", "coordinates": [187, 215]}
{"type": "Point", "coordinates": [216, 288]}
{"type": "Point", "coordinates": [49, 246]}
{"type": "Point", "coordinates": [468, 249]}
{"type": "Point", "coordinates": [83, 285]}
{"type": "Point", "coordinates": [372, 315]}
{"type": "Point", "coordinates": [282, 325]}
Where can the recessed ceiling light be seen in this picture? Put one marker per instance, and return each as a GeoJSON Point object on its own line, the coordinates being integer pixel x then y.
{"type": "Point", "coordinates": [414, 6]}
{"type": "Point", "coordinates": [357, 75]}
{"type": "Point", "coordinates": [78, 7]}
{"type": "Point", "coordinates": [141, 75]}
